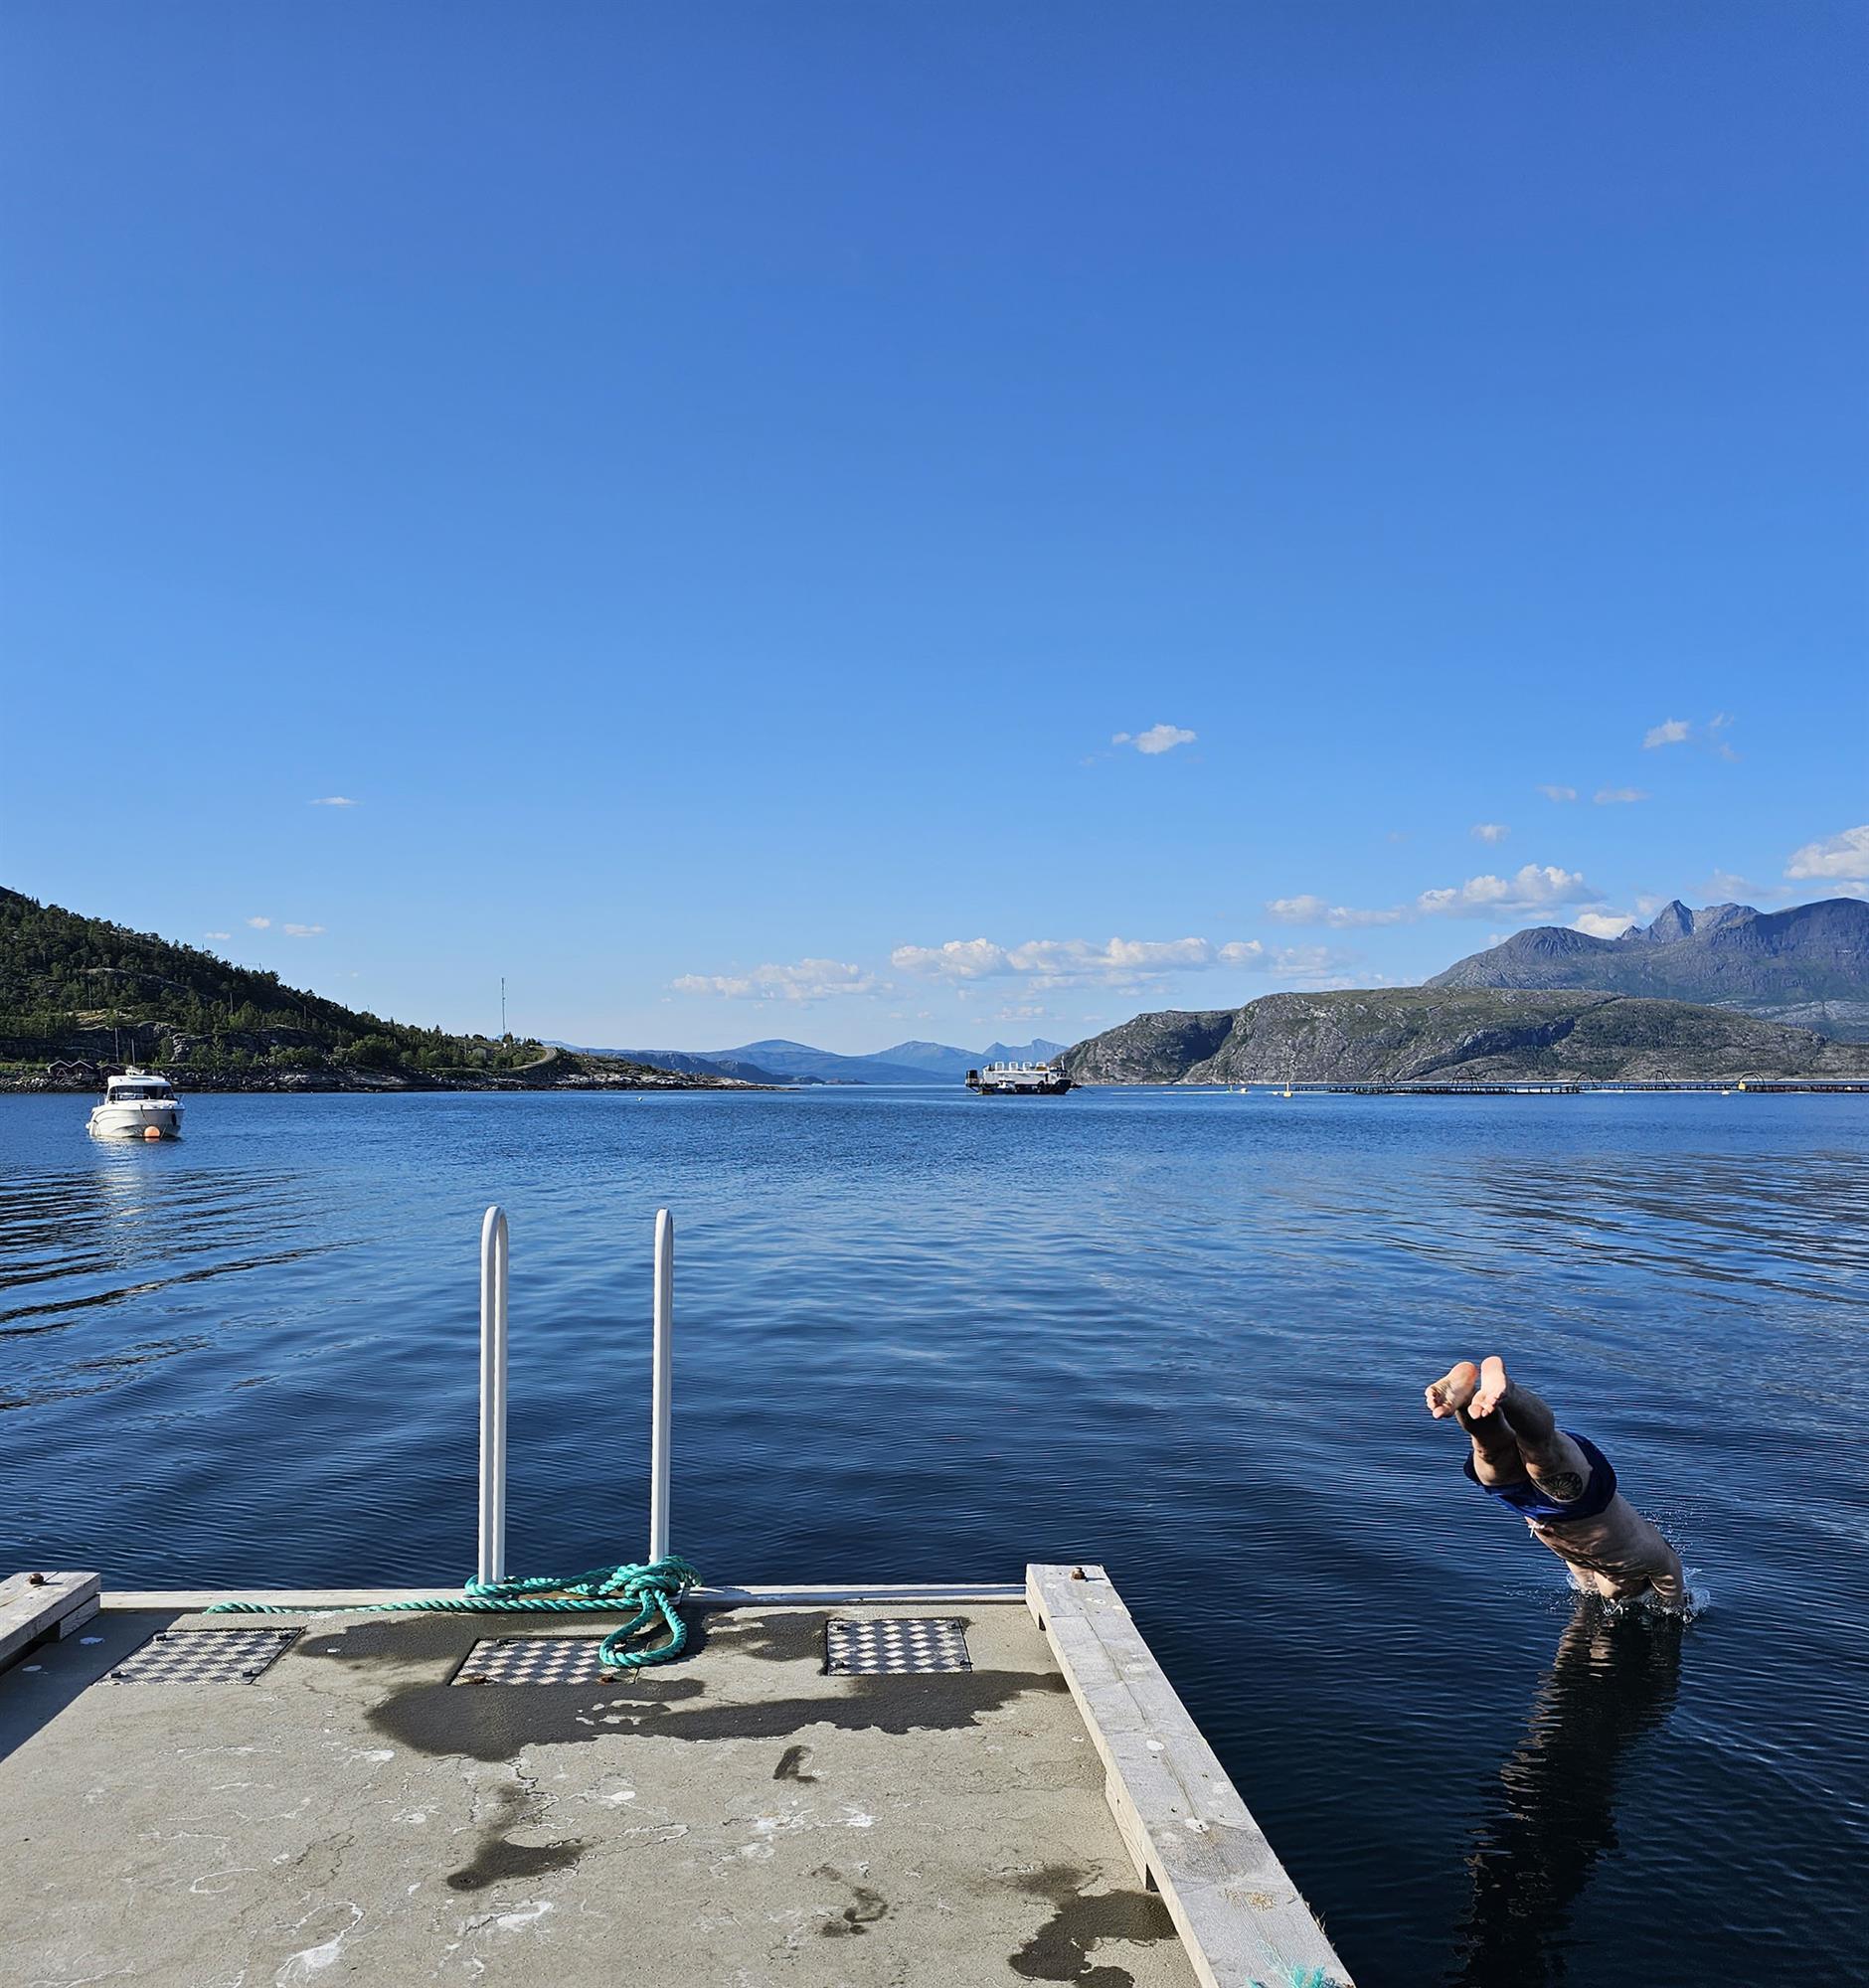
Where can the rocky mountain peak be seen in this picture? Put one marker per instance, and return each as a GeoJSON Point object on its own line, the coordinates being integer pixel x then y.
{"type": "Point", "coordinates": [1672, 921]}
{"type": "Point", "coordinates": [1806, 966]}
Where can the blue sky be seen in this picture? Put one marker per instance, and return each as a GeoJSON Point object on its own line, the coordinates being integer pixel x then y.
{"type": "Point", "coordinates": [706, 512]}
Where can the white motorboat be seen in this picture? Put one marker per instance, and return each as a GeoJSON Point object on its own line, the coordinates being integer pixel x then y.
{"type": "Point", "coordinates": [139, 1104]}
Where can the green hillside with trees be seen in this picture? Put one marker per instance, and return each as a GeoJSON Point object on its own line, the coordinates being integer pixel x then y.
{"type": "Point", "coordinates": [78, 995]}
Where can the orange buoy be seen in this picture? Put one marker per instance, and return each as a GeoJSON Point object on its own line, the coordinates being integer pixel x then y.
{"type": "Point", "coordinates": [152, 1132]}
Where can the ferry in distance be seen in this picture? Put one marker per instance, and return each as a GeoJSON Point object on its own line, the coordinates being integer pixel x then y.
{"type": "Point", "coordinates": [1019, 1079]}
{"type": "Point", "coordinates": [139, 1104]}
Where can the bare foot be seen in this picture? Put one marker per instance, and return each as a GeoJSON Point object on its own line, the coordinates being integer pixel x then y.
{"type": "Point", "coordinates": [1493, 1386]}
{"type": "Point", "coordinates": [1453, 1391]}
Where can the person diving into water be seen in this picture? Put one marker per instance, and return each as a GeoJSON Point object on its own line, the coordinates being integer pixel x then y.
{"type": "Point", "coordinates": [1559, 1484]}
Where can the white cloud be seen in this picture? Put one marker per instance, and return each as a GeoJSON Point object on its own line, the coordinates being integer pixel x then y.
{"type": "Point", "coordinates": [804, 980]}
{"type": "Point", "coordinates": [1532, 887]}
{"type": "Point", "coordinates": [1603, 924]}
{"type": "Point", "coordinates": [217, 934]}
{"type": "Point", "coordinates": [1157, 739]}
{"type": "Point", "coordinates": [1309, 910]}
{"type": "Point", "coordinates": [1489, 831]}
{"type": "Point", "coordinates": [1054, 961]}
{"type": "Point", "coordinates": [1559, 793]}
{"type": "Point", "coordinates": [1611, 797]}
{"type": "Point", "coordinates": [302, 931]}
{"type": "Point", "coordinates": [333, 801]}
{"type": "Point", "coordinates": [1320, 965]}
{"type": "Point", "coordinates": [957, 959]}
{"type": "Point", "coordinates": [1119, 962]}
{"type": "Point", "coordinates": [260, 925]}
{"type": "Point", "coordinates": [1845, 855]}
{"type": "Point", "coordinates": [1681, 732]}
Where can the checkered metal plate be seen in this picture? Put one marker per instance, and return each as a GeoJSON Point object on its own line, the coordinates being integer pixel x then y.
{"type": "Point", "coordinates": [872, 1649]}
{"type": "Point", "coordinates": [204, 1656]}
{"type": "Point", "coordinates": [535, 1660]}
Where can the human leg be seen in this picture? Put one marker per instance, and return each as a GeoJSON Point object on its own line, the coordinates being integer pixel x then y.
{"type": "Point", "coordinates": [1552, 1460]}
{"type": "Point", "coordinates": [1496, 1458]}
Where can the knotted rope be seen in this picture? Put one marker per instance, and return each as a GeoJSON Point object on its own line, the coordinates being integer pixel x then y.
{"type": "Point", "coordinates": [651, 1587]}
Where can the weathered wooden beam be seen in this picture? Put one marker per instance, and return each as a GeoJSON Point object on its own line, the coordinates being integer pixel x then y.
{"type": "Point", "coordinates": [34, 1607]}
{"type": "Point", "coordinates": [807, 1595]}
{"type": "Point", "coordinates": [1240, 1917]}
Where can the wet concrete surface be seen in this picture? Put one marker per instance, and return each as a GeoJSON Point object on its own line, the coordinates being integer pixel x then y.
{"type": "Point", "coordinates": [736, 1818]}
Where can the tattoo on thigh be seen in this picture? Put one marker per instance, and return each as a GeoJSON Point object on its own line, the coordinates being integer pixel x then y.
{"type": "Point", "coordinates": [1564, 1486]}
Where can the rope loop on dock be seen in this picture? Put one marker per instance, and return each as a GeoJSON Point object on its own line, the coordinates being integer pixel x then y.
{"type": "Point", "coordinates": [652, 1589]}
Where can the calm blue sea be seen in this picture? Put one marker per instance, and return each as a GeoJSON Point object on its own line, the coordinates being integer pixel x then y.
{"type": "Point", "coordinates": [922, 1336]}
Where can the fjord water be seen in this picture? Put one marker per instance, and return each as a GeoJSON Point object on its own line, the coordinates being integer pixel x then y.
{"type": "Point", "coordinates": [922, 1336]}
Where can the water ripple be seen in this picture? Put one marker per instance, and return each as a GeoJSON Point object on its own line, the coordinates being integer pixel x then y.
{"type": "Point", "coordinates": [1184, 1334]}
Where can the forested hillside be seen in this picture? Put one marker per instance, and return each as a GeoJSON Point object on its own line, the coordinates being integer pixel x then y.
{"type": "Point", "coordinates": [80, 991]}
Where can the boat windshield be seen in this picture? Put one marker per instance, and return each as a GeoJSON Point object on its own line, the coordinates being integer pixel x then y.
{"type": "Point", "coordinates": [122, 1094]}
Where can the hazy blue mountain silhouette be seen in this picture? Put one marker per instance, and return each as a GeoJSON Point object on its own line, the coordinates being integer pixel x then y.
{"type": "Point", "coordinates": [777, 1061]}
{"type": "Point", "coordinates": [1806, 968]}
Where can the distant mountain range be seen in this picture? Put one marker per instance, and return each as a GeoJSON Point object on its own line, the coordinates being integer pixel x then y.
{"type": "Point", "coordinates": [1806, 968]}
{"type": "Point", "coordinates": [689, 1063]}
{"type": "Point", "coordinates": [942, 1060]}
{"type": "Point", "coordinates": [1700, 988]}
{"type": "Point", "coordinates": [1482, 1035]}
{"type": "Point", "coordinates": [1724, 991]}
{"type": "Point", "coordinates": [777, 1061]}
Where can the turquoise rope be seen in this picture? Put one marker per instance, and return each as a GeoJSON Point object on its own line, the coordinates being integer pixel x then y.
{"type": "Point", "coordinates": [651, 1587]}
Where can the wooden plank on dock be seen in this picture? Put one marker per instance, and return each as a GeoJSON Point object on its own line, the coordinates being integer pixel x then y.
{"type": "Point", "coordinates": [1240, 1917]}
{"type": "Point", "coordinates": [34, 1607]}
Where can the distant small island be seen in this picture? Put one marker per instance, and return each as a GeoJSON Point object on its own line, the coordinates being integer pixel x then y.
{"type": "Point", "coordinates": [78, 995]}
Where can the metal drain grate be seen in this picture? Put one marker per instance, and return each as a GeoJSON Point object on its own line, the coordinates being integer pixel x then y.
{"type": "Point", "coordinates": [868, 1649]}
{"type": "Point", "coordinates": [535, 1660]}
{"type": "Point", "coordinates": [204, 1656]}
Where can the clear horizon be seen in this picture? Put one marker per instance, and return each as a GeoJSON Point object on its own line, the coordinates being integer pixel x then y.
{"type": "Point", "coordinates": [851, 527]}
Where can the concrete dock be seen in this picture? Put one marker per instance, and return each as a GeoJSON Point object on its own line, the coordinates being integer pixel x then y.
{"type": "Point", "coordinates": [333, 1798]}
